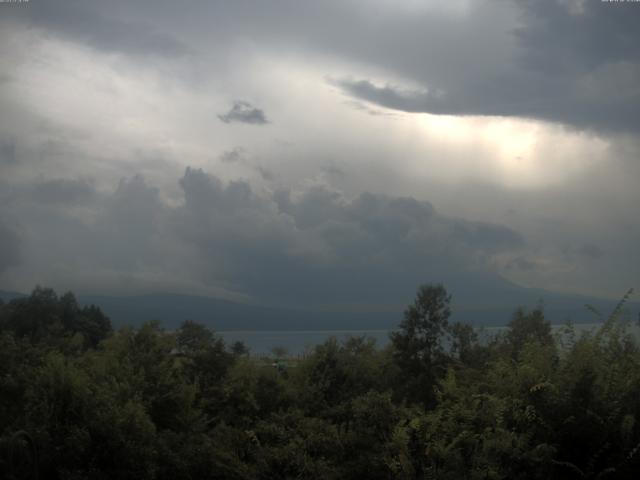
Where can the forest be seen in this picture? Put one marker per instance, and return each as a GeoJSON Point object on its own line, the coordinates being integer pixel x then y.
{"type": "Point", "coordinates": [80, 400]}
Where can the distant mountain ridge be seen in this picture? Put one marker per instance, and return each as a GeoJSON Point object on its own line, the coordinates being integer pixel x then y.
{"type": "Point", "coordinates": [222, 315]}
{"type": "Point", "coordinates": [7, 296]}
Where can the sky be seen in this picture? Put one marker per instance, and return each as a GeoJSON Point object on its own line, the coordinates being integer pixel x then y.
{"type": "Point", "coordinates": [332, 154]}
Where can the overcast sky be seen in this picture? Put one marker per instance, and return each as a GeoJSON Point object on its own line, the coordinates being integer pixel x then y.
{"type": "Point", "coordinates": [329, 152]}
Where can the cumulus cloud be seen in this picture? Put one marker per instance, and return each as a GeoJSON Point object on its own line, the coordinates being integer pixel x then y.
{"type": "Point", "coordinates": [318, 245]}
{"type": "Point", "coordinates": [244, 112]}
{"type": "Point", "coordinates": [313, 244]}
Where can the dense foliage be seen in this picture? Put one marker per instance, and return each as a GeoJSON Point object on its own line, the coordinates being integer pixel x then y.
{"type": "Point", "coordinates": [78, 400]}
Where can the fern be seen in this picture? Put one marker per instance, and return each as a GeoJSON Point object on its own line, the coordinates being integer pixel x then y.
{"type": "Point", "coordinates": [611, 320]}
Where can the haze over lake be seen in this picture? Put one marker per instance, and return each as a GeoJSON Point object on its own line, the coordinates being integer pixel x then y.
{"type": "Point", "coordinates": [300, 342]}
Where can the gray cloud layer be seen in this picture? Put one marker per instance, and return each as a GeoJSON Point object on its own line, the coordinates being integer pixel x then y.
{"type": "Point", "coordinates": [313, 245]}
{"type": "Point", "coordinates": [87, 24]}
{"type": "Point", "coordinates": [570, 61]}
{"type": "Point", "coordinates": [94, 91]}
{"type": "Point", "coordinates": [318, 246]}
{"type": "Point", "coordinates": [575, 63]}
{"type": "Point", "coordinates": [10, 253]}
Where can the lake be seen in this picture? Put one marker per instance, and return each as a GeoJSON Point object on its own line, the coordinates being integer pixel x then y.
{"type": "Point", "coordinates": [297, 342]}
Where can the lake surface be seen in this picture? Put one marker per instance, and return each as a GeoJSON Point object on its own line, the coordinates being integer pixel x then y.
{"type": "Point", "coordinates": [297, 342]}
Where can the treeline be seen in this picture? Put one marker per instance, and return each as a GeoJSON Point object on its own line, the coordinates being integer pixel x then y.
{"type": "Point", "coordinates": [78, 400]}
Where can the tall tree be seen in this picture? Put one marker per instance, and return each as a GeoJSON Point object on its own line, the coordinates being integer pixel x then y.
{"type": "Point", "coordinates": [527, 327]}
{"type": "Point", "coordinates": [418, 348]}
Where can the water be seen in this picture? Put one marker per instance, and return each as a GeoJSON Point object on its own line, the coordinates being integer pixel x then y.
{"type": "Point", "coordinates": [297, 342]}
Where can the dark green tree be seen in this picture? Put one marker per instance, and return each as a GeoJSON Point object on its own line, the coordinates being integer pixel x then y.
{"type": "Point", "coordinates": [464, 343]}
{"type": "Point", "coordinates": [43, 316]}
{"type": "Point", "coordinates": [418, 346]}
{"type": "Point", "coordinates": [206, 362]}
{"type": "Point", "coordinates": [239, 349]}
{"type": "Point", "coordinates": [526, 327]}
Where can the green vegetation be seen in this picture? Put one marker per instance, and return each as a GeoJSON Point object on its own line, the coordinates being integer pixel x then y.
{"type": "Point", "coordinates": [78, 400]}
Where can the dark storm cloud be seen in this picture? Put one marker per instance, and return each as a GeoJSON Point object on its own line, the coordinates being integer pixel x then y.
{"type": "Point", "coordinates": [244, 112]}
{"type": "Point", "coordinates": [584, 54]}
{"type": "Point", "coordinates": [576, 36]}
{"type": "Point", "coordinates": [10, 251]}
{"type": "Point", "coordinates": [574, 62]}
{"type": "Point", "coordinates": [393, 97]}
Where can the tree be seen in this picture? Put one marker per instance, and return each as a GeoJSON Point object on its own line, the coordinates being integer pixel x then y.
{"type": "Point", "coordinates": [418, 348]}
{"type": "Point", "coordinates": [239, 349]}
{"type": "Point", "coordinates": [526, 327]}
{"type": "Point", "coordinates": [206, 362]}
{"type": "Point", "coordinates": [464, 343]}
{"type": "Point", "coordinates": [45, 317]}
{"type": "Point", "coordinates": [194, 337]}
